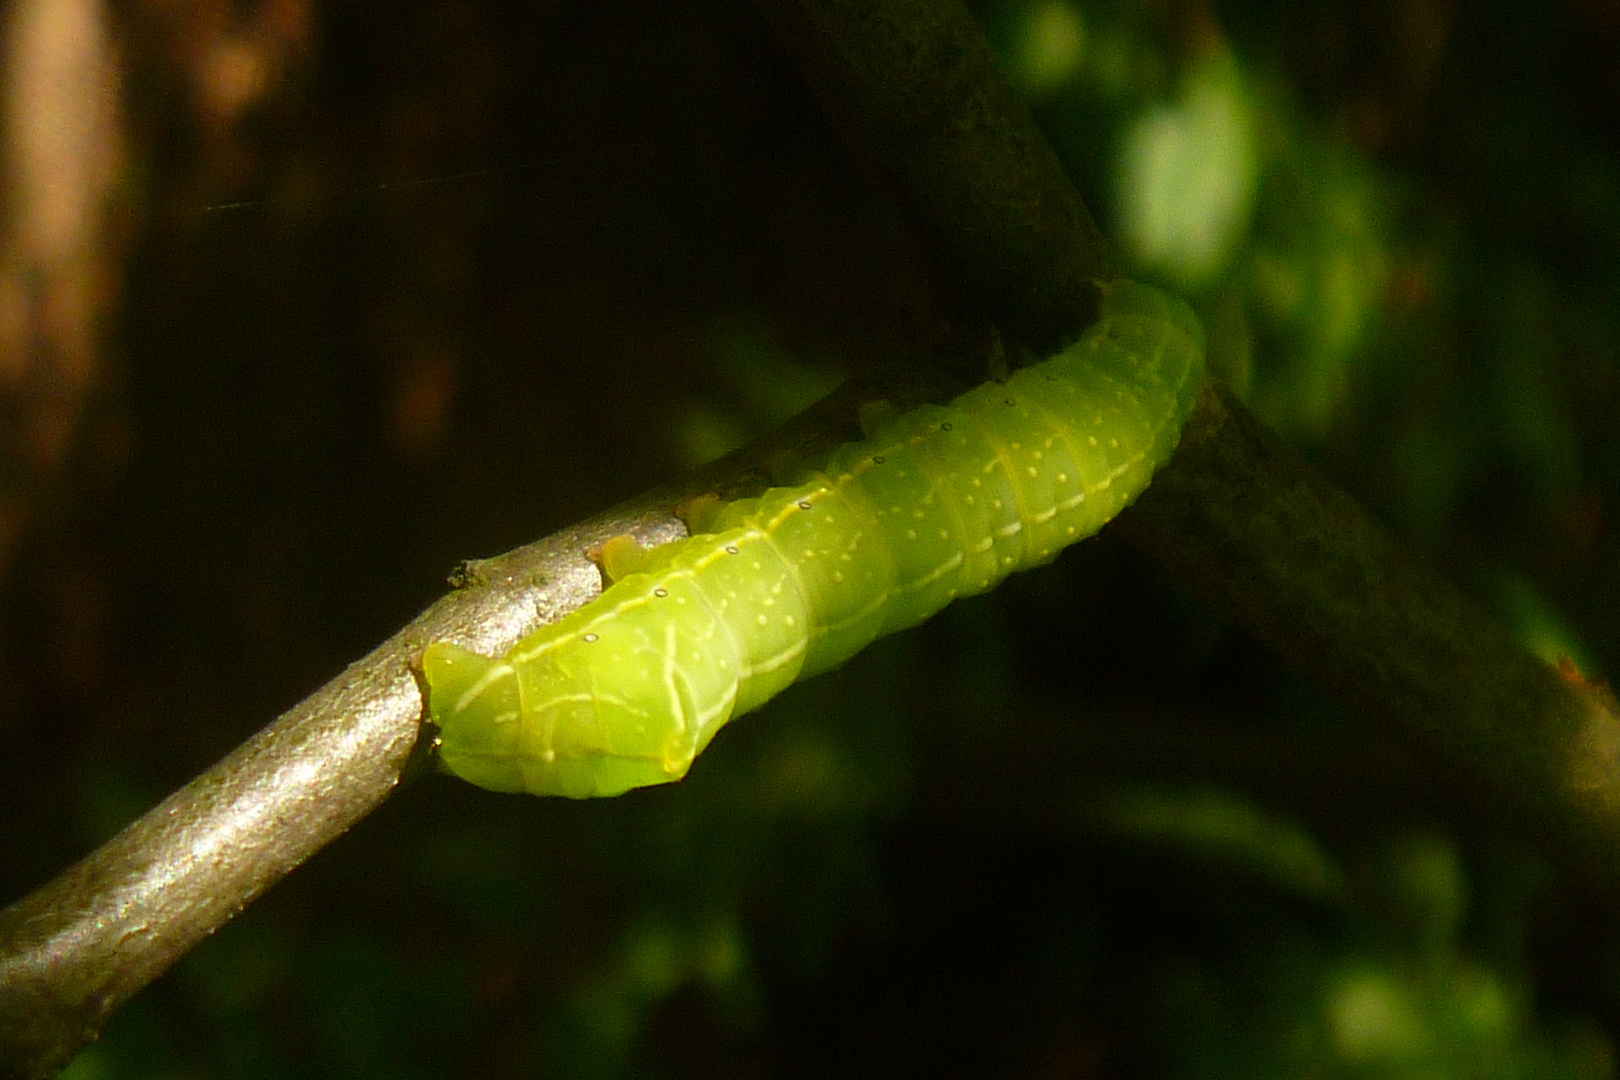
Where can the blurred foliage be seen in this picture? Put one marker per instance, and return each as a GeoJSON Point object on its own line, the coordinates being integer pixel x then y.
{"type": "Point", "coordinates": [468, 272]}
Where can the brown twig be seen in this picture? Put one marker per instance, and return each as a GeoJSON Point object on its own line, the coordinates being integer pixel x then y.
{"type": "Point", "coordinates": [917, 95]}
{"type": "Point", "coordinates": [75, 950]}
{"type": "Point", "coordinates": [1252, 528]}
{"type": "Point", "coordinates": [1237, 515]}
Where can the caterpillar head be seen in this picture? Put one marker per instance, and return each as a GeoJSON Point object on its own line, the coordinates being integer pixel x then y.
{"type": "Point", "coordinates": [574, 738]}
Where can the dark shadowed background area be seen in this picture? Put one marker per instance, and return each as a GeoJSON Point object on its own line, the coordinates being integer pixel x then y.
{"type": "Point", "coordinates": [370, 288]}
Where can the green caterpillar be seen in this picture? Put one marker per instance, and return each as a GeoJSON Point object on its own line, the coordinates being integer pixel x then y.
{"type": "Point", "coordinates": [941, 502]}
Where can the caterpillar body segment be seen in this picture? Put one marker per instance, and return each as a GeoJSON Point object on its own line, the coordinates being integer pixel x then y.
{"type": "Point", "coordinates": [937, 503]}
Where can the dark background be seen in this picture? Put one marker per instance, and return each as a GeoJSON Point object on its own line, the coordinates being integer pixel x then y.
{"type": "Point", "coordinates": [464, 273]}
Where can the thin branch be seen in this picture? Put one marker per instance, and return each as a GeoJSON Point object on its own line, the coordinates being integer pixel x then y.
{"type": "Point", "coordinates": [1237, 514]}
{"type": "Point", "coordinates": [78, 948]}
{"type": "Point", "coordinates": [75, 950]}
{"type": "Point", "coordinates": [1242, 520]}
{"type": "Point", "coordinates": [918, 97]}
